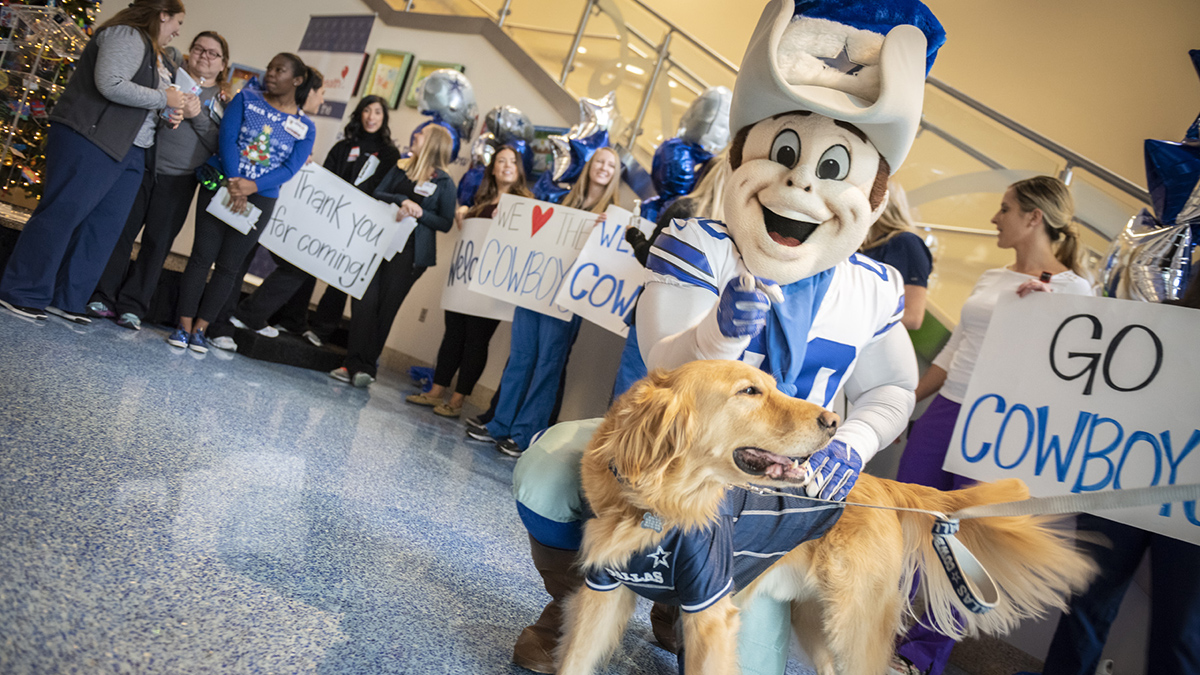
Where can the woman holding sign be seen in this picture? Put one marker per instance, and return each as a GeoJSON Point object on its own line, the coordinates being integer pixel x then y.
{"type": "Point", "coordinates": [540, 344]}
{"type": "Point", "coordinates": [423, 190]}
{"type": "Point", "coordinates": [264, 140]}
{"type": "Point", "coordinates": [1035, 221]}
{"type": "Point", "coordinates": [465, 342]}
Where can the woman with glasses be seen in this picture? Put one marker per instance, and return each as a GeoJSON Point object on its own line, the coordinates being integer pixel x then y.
{"type": "Point", "coordinates": [167, 189]}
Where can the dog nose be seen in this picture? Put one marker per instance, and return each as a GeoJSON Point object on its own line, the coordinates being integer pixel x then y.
{"type": "Point", "coordinates": [827, 421]}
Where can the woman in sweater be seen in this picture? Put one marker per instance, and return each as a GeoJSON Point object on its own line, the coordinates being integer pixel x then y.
{"type": "Point", "coordinates": [464, 348]}
{"type": "Point", "coordinates": [162, 203]}
{"type": "Point", "coordinates": [264, 140]}
{"type": "Point", "coordinates": [424, 191]}
{"type": "Point", "coordinates": [94, 169]}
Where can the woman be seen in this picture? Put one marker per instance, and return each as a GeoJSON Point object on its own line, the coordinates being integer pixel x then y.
{"type": "Point", "coordinates": [366, 137]}
{"type": "Point", "coordinates": [264, 140]}
{"type": "Point", "coordinates": [162, 203]}
{"type": "Point", "coordinates": [424, 191]}
{"type": "Point", "coordinates": [93, 169]}
{"type": "Point", "coordinates": [892, 240]}
{"type": "Point", "coordinates": [540, 343]}
{"type": "Point", "coordinates": [1035, 221]}
{"type": "Point", "coordinates": [465, 342]}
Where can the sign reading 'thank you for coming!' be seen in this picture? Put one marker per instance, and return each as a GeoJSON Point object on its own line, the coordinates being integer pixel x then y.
{"type": "Point", "coordinates": [1074, 394]}
{"type": "Point", "coordinates": [331, 229]}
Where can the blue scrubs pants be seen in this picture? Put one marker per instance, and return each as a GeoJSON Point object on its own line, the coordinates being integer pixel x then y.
{"type": "Point", "coordinates": [65, 246]}
{"type": "Point", "coordinates": [632, 368]}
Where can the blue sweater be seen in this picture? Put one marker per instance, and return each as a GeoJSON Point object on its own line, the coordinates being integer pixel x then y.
{"type": "Point", "coordinates": [258, 142]}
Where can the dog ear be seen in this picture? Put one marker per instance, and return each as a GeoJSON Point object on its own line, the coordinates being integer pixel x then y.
{"type": "Point", "coordinates": [649, 423]}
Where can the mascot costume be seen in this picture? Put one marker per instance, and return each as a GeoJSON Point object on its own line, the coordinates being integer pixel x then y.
{"type": "Point", "coordinates": [826, 106]}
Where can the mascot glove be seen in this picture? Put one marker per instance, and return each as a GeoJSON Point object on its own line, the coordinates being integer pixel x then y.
{"type": "Point", "coordinates": [833, 470]}
{"type": "Point", "coordinates": [745, 302]}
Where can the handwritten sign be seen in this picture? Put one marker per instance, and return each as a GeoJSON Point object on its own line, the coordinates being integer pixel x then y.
{"type": "Point", "coordinates": [331, 229]}
{"type": "Point", "coordinates": [529, 248]}
{"type": "Point", "coordinates": [606, 279]}
{"type": "Point", "coordinates": [464, 265]}
{"type": "Point", "coordinates": [1102, 397]}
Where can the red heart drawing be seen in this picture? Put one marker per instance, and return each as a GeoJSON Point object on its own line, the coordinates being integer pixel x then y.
{"type": "Point", "coordinates": [345, 71]}
{"type": "Point", "coordinates": [540, 218]}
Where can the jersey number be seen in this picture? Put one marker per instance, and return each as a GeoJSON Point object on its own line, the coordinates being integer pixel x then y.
{"type": "Point", "coordinates": [825, 365]}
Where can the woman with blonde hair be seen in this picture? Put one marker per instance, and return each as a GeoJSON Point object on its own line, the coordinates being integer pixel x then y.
{"type": "Point", "coordinates": [892, 240]}
{"type": "Point", "coordinates": [1035, 221]}
{"type": "Point", "coordinates": [422, 189]}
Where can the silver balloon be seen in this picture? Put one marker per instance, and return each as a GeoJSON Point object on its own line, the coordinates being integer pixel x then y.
{"type": "Point", "coordinates": [706, 121]}
{"type": "Point", "coordinates": [448, 94]}
{"type": "Point", "coordinates": [561, 149]}
{"type": "Point", "coordinates": [483, 148]}
{"type": "Point", "coordinates": [596, 115]}
{"type": "Point", "coordinates": [1147, 261]}
{"type": "Point", "coordinates": [508, 123]}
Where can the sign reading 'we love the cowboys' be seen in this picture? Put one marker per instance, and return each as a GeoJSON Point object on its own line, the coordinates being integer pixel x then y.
{"type": "Point", "coordinates": [606, 279]}
{"type": "Point", "coordinates": [529, 248]}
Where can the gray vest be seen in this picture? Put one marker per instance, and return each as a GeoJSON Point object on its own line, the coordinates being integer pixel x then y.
{"type": "Point", "coordinates": [111, 126]}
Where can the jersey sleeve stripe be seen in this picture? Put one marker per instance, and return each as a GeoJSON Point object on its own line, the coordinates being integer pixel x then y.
{"type": "Point", "coordinates": [700, 607]}
{"type": "Point", "coordinates": [684, 252]}
{"type": "Point", "coordinates": [596, 586]}
{"type": "Point", "coordinates": [714, 228]}
{"type": "Point", "coordinates": [661, 265]}
{"type": "Point", "coordinates": [886, 328]}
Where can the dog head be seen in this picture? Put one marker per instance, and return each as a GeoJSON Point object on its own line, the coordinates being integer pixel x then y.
{"type": "Point", "coordinates": [676, 440]}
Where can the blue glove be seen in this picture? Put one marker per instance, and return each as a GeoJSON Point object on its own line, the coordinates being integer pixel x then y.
{"type": "Point", "coordinates": [834, 470]}
{"type": "Point", "coordinates": [742, 310]}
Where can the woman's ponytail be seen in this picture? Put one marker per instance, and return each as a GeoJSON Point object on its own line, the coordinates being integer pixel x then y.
{"type": "Point", "coordinates": [313, 81]}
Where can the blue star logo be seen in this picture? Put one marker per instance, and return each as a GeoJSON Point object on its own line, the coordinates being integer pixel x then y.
{"type": "Point", "coordinates": [842, 62]}
{"type": "Point", "coordinates": [660, 558]}
{"type": "Point", "coordinates": [456, 86]}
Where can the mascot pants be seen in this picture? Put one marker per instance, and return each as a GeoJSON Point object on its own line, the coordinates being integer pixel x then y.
{"type": "Point", "coordinates": [546, 484]}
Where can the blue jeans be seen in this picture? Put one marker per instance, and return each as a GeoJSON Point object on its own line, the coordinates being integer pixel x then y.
{"type": "Point", "coordinates": [632, 368]}
{"type": "Point", "coordinates": [65, 246]}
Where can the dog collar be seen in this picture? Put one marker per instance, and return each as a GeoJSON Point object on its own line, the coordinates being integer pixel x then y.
{"type": "Point", "coordinates": [650, 520]}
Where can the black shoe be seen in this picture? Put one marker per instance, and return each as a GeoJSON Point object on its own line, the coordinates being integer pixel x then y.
{"type": "Point", "coordinates": [21, 310]}
{"type": "Point", "coordinates": [509, 447]}
{"type": "Point", "coordinates": [473, 423]}
{"type": "Point", "coordinates": [480, 434]}
{"type": "Point", "coordinates": [82, 319]}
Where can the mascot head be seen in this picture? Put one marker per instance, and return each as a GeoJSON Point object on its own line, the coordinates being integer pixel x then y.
{"type": "Point", "coordinates": [826, 104]}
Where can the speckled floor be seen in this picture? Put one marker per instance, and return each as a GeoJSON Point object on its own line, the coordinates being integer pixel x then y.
{"type": "Point", "coordinates": [167, 512]}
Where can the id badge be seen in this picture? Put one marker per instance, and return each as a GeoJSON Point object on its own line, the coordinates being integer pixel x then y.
{"type": "Point", "coordinates": [296, 128]}
{"type": "Point", "coordinates": [425, 189]}
{"type": "Point", "coordinates": [354, 153]}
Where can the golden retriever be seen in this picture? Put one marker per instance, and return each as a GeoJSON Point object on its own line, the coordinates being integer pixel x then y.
{"type": "Point", "coordinates": [676, 441]}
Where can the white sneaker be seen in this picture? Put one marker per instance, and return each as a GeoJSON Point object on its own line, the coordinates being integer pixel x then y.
{"type": "Point", "coordinates": [224, 343]}
{"type": "Point", "coordinates": [313, 338]}
{"type": "Point", "coordinates": [266, 331]}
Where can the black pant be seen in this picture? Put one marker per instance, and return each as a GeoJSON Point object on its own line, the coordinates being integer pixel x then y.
{"type": "Point", "coordinates": [161, 205]}
{"type": "Point", "coordinates": [274, 292]}
{"type": "Point", "coordinates": [371, 317]}
{"type": "Point", "coordinates": [464, 349]}
{"type": "Point", "coordinates": [294, 315]}
{"type": "Point", "coordinates": [229, 249]}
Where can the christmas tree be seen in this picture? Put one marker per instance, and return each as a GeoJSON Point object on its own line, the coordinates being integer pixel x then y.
{"type": "Point", "coordinates": [38, 51]}
{"type": "Point", "coordinates": [259, 152]}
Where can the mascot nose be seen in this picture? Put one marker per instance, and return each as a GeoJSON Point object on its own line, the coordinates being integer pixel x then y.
{"type": "Point", "coordinates": [792, 183]}
{"type": "Point", "coordinates": [827, 422]}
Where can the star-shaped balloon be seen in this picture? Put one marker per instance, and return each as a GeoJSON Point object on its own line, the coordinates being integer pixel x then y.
{"type": "Point", "coordinates": [596, 115]}
{"type": "Point", "coordinates": [1193, 132]}
{"type": "Point", "coordinates": [706, 121]}
{"type": "Point", "coordinates": [1172, 175]}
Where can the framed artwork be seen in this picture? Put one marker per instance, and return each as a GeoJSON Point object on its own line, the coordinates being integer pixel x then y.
{"type": "Point", "coordinates": [239, 75]}
{"type": "Point", "coordinates": [387, 75]}
{"type": "Point", "coordinates": [424, 68]}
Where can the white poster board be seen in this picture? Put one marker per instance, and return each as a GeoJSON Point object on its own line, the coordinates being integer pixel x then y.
{"type": "Point", "coordinates": [529, 248]}
{"type": "Point", "coordinates": [1075, 394]}
{"type": "Point", "coordinates": [604, 283]}
{"type": "Point", "coordinates": [464, 265]}
{"type": "Point", "coordinates": [331, 229]}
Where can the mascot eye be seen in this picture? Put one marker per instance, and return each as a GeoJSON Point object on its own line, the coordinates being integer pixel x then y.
{"type": "Point", "coordinates": [786, 148]}
{"type": "Point", "coordinates": [834, 164]}
{"type": "Point", "coordinates": [751, 391]}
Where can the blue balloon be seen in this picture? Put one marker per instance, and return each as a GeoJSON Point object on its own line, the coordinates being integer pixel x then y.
{"type": "Point", "coordinates": [521, 146]}
{"type": "Point", "coordinates": [436, 119]}
{"type": "Point", "coordinates": [676, 165]}
{"type": "Point", "coordinates": [547, 190]}
{"type": "Point", "coordinates": [653, 207]}
{"type": "Point", "coordinates": [1172, 173]}
{"type": "Point", "coordinates": [469, 184]}
{"type": "Point", "coordinates": [582, 150]}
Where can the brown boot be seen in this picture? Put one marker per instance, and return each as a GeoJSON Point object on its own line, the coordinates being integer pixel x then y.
{"type": "Point", "coordinates": [535, 645]}
{"type": "Point", "coordinates": [662, 623]}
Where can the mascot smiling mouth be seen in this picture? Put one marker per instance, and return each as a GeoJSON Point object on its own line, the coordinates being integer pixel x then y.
{"type": "Point", "coordinates": [786, 231]}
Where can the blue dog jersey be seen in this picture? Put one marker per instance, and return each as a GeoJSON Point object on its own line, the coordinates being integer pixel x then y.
{"type": "Point", "coordinates": [696, 569]}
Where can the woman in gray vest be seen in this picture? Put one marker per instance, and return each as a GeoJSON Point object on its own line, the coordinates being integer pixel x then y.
{"type": "Point", "coordinates": [100, 130]}
{"type": "Point", "coordinates": [162, 202]}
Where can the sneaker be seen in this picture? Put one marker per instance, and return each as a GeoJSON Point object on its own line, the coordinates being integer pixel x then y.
{"type": "Point", "coordinates": [509, 447]}
{"type": "Point", "coordinates": [179, 338]}
{"type": "Point", "coordinates": [197, 343]}
{"type": "Point", "coordinates": [21, 310]}
{"type": "Point", "coordinates": [69, 316]}
{"type": "Point", "coordinates": [362, 380]}
{"type": "Point", "coordinates": [340, 374]}
{"type": "Point", "coordinates": [481, 434]}
{"type": "Point", "coordinates": [100, 310]}
{"type": "Point", "coordinates": [902, 666]}
{"type": "Point", "coordinates": [265, 331]}
{"type": "Point", "coordinates": [477, 425]}
{"type": "Point", "coordinates": [445, 410]}
{"type": "Point", "coordinates": [279, 329]}
{"type": "Point", "coordinates": [128, 320]}
{"type": "Point", "coordinates": [224, 343]}
{"type": "Point", "coordinates": [424, 399]}
{"type": "Point", "coordinates": [313, 339]}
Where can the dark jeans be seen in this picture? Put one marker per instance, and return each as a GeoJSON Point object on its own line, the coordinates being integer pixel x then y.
{"type": "Point", "coordinates": [229, 249]}
{"type": "Point", "coordinates": [161, 205]}
{"type": "Point", "coordinates": [464, 350]}
{"type": "Point", "coordinates": [371, 317]}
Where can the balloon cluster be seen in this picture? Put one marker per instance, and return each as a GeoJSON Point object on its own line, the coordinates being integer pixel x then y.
{"type": "Point", "coordinates": [446, 96]}
{"type": "Point", "coordinates": [1151, 259]}
{"type": "Point", "coordinates": [502, 126]}
{"type": "Point", "coordinates": [573, 150]}
{"type": "Point", "coordinates": [703, 132]}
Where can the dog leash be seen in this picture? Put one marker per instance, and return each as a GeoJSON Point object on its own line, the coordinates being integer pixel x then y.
{"type": "Point", "coordinates": [971, 581]}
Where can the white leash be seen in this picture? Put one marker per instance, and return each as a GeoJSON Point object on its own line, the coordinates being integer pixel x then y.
{"type": "Point", "coordinates": [972, 583]}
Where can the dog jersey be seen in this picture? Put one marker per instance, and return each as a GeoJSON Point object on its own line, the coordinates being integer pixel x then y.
{"type": "Point", "coordinates": [697, 568]}
{"type": "Point", "coordinates": [862, 301]}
